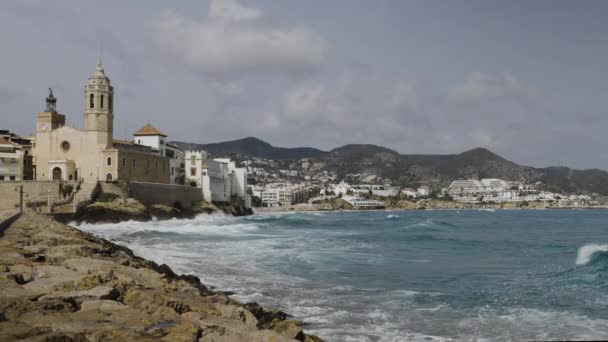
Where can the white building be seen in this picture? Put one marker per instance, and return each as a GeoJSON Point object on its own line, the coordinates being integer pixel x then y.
{"type": "Point", "coordinates": [409, 192]}
{"type": "Point", "coordinates": [176, 163]}
{"type": "Point", "coordinates": [487, 185]}
{"type": "Point", "coordinates": [11, 161]}
{"type": "Point", "coordinates": [341, 189]}
{"type": "Point", "coordinates": [152, 137]}
{"type": "Point", "coordinates": [194, 163]}
{"type": "Point", "coordinates": [219, 178]}
{"type": "Point", "coordinates": [362, 203]}
{"type": "Point", "coordinates": [274, 197]}
{"type": "Point", "coordinates": [424, 191]}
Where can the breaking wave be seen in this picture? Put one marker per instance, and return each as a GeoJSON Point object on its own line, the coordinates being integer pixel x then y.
{"type": "Point", "coordinates": [589, 252]}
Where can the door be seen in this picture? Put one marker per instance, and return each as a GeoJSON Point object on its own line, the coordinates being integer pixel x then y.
{"type": "Point", "coordinates": [57, 174]}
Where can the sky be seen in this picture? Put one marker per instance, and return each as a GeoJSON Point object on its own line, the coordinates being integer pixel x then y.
{"type": "Point", "coordinates": [526, 79]}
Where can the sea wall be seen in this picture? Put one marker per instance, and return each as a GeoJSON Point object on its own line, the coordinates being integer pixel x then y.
{"type": "Point", "coordinates": [33, 191]}
{"type": "Point", "coordinates": [170, 195]}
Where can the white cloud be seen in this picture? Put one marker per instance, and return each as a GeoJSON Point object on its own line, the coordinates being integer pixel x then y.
{"type": "Point", "coordinates": [236, 39]}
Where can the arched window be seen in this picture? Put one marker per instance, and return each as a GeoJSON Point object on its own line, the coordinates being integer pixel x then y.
{"type": "Point", "coordinates": [101, 102]}
{"type": "Point", "coordinates": [109, 177]}
{"type": "Point", "coordinates": [91, 101]}
{"type": "Point", "coordinates": [111, 102]}
{"type": "Point", "coordinates": [109, 161]}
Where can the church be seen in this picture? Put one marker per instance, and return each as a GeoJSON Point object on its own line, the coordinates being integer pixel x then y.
{"type": "Point", "coordinates": [91, 155]}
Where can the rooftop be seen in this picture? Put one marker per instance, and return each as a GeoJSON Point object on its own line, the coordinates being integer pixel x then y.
{"type": "Point", "coordinates": [149, 130]}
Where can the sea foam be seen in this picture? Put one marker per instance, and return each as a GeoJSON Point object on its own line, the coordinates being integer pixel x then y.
{"type": "Point", "coordinates": [587, 251]}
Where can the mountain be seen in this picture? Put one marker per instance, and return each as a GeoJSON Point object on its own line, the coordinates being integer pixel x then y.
{"type": "Point", "coordinates": [252, 147]}
{"type": "Point", "coordinates": [371, 162]}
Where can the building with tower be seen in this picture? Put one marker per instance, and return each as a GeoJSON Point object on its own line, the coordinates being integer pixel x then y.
{"type": "Point", "coordinates": [66, 153]}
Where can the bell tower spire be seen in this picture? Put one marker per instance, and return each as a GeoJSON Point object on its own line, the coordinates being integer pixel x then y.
{"type": "Point", "coordinates": [99, 106]}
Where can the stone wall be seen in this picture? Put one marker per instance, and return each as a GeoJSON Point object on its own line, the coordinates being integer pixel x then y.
{"type": "Point", "coordinates": [33, 191]}
{"type": "Point", "coordinates": [118, 188]}
{"type": "Point", "coordinates": [167, 194]}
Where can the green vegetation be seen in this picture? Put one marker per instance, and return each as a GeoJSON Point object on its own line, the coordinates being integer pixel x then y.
{"type": "Point", "coordinates": [67, 189]}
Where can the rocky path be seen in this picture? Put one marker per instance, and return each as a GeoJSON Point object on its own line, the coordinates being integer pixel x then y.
{"type": "Point", "coordinates": [60, 284]}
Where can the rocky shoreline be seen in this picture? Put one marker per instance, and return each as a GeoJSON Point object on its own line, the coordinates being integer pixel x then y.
{"type": "Point", "coordinates": [128, 209]}
{"type": "Point", "coordinates": [58, 283]}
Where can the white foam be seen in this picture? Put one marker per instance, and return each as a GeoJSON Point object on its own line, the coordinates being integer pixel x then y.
{"type": "Point", "coordinates": [586, 252]}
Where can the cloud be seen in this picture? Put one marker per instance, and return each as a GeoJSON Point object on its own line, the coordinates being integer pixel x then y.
{"type": "Point", "coordinates": [235, 39]}
{"type": "Point", "coordinates": [231, 10]}
{"type": "Point", "coordinates": [487, 86]}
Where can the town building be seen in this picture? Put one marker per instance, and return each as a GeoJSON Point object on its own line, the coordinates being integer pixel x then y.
{"type": "Point", "coordinates": [66, 153]}
{"type": "Point", "coordinates": [362, 203]}
{"type": "Point", "coordinates": [11, 161]}
{"type": "Point", "coordinates": [177, 164]}
{"type": "Point", "coordinates": [219, 179]}
{"type": "Point", "coordinates": [19, 149]}
{"type": "Point", "coordinates": [151, 136]}
{"type": "Point", "coordinates": [424, 191]}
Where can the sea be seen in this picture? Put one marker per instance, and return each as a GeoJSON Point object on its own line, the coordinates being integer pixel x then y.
{"type": "Point", "coordinates": [429, 275]}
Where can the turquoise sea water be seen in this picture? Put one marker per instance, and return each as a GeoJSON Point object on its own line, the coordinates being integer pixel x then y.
{"type": "Point", "coordinates": [400, 275]}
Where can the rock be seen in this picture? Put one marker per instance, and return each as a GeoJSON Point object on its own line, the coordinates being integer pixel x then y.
{"type": "Point", "coordinates": [290, 329]}
{"type": "Point", "coordinates": [102, 305]}
{"type": "Point", "coordinates": [238, 312]}
{"type": "Point", "coordinates": [99, 292]}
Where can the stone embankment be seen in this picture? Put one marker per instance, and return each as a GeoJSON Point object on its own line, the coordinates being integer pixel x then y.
{"type": "Point", "coordinates": [60, 284]}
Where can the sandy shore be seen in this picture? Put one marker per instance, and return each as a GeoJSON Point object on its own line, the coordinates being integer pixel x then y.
{"type": "Point", "coordinates": [60, 284]}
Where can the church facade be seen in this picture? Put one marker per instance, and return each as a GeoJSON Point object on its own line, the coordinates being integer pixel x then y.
{"type": "Point", "coordinates": [66, 153]}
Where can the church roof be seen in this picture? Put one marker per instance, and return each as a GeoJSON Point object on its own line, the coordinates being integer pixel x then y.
{"type": "Point", "coordinates": [149, 130]}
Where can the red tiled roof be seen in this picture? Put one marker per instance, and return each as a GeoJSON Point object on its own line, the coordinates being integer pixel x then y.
{"type": "Point", "coordinates": [149, 130]}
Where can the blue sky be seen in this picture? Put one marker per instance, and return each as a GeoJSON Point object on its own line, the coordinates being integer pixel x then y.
{"type": "Point", "coordinates": [526, 79]}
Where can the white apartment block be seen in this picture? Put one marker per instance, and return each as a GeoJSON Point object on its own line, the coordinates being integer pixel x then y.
{"type": "Point", "coordinates": [176, 164]}
{"type": "Point", "coordinates": [11, 161]}
{"type": "Point", "coordinates": [219, 178]}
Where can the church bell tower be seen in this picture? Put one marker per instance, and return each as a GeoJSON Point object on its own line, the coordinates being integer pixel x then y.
{"type": "Point", "coordinates": [99, 106]}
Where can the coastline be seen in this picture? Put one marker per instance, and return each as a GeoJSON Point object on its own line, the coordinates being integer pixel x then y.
{"type": "Point", "coordinates": [59, 282]}
{"type": "Point", "coordinates": [468, 207]}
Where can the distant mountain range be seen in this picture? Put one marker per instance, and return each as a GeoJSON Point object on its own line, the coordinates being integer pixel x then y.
{"type": "Point", "coordinates": [413, 169]}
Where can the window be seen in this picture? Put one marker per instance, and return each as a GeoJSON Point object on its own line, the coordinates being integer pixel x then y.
{"type": "Point", "coordinates": [110, 103]}
{"type": "Point", "coordinates": [193, 160]}
{"type": "Point", "coordinates": [124, 161]}
{"type": "Point", "coordinates": [192, 171]}
{"type": "Point", "coordinates": [65, 146]}
{"type": "Point", "coordinates": [101, 102]}
{"type": "Point", "coordinates": [91, 101]}
{"type": "Point", "coordinates": [134, 163]}
{"type": "Point", "coordinates": [2, 178]}
{"type": "Point", "coordinates": [109, 161]}
{"type": "Point", "coordinates": [12, 177]}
